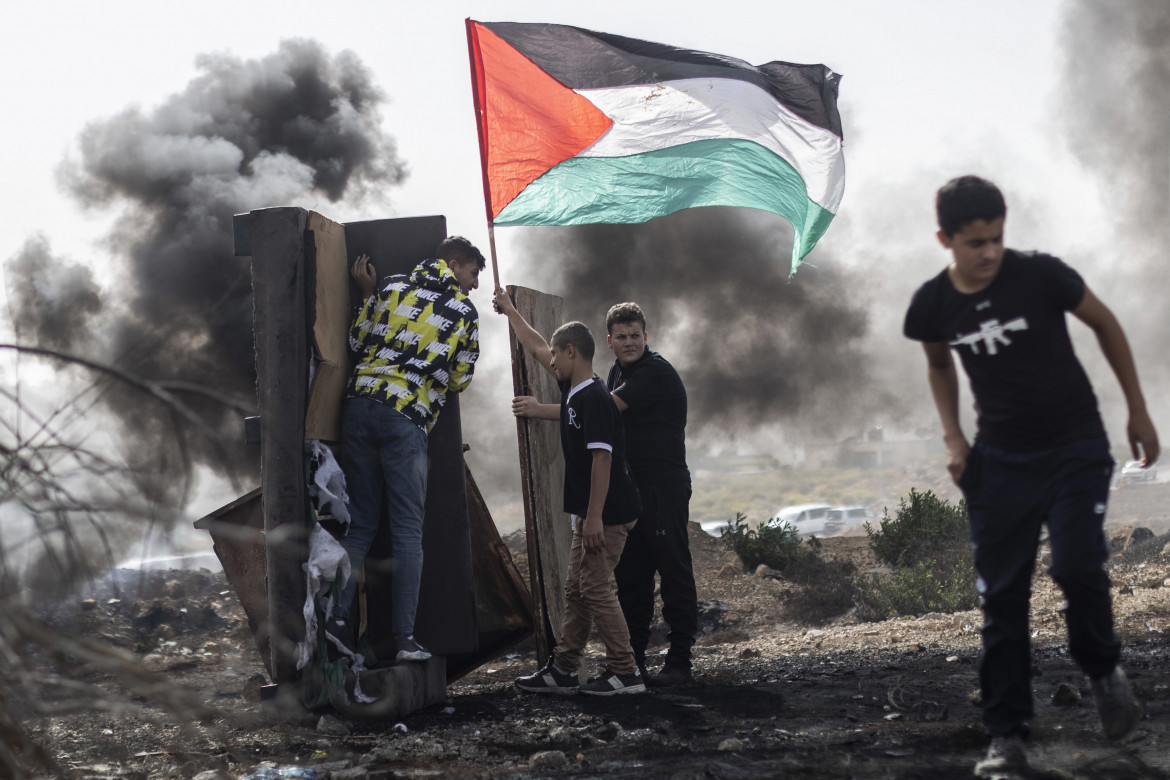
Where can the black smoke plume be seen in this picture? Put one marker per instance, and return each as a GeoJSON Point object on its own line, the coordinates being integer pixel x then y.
{"type": "Point", "coordinates": [754, 347]}
{"type": "Point", "coordinates": [52, 300]}
{"type": "Point", "coordinates": [1116, 108]}
{"type": "Point", "coordinates": [295, 127]}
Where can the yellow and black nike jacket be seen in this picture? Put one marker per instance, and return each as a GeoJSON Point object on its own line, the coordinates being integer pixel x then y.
{"type": "Point", "coordinates": [415, 339]}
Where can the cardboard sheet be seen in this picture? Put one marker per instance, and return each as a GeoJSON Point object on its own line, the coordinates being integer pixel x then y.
{"type": "Point", "coordinates": [330, 330]}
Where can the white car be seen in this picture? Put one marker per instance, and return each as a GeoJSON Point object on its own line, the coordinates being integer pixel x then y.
{"type": "Point", "coordinates": [848, 516]}
{"type": "Point", "coordinates": [715, 527]}
{"type": "Point", "coordinates": [1133, 471]}
{"type": "Point", "coordinates": [807, 519]}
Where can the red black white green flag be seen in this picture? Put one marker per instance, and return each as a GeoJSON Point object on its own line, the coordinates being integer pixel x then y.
{"type": "Point", "coordinates": [578, 127]}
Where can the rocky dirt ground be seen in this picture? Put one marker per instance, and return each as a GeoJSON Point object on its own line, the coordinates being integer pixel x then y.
{"type": "Point", "coordinates": [773, 697]}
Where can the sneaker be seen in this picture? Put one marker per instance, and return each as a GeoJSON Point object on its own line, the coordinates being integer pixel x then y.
{"type": "Point", "coordinates": [672, 675]}
{"type": "Point", "coordinates": [406, 649]}
{"type": "Point", "coordinates": [1006, 759]}
{"type": "Point", "coordinates": [1120, 711]}
{"type": "Point", "coordinates": [611, 684]}
{"type": "Point", "coordinates": [550, 679]}
{"type": "Point", "coordinates": [339, 633]}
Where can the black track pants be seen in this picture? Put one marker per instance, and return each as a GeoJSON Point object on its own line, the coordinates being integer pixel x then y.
{"type": "Point", "coordinates": [659, 544]}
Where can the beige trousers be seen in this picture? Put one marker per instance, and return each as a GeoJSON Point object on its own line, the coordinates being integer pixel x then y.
{"type": "Point", "coordinates": [591, 598]}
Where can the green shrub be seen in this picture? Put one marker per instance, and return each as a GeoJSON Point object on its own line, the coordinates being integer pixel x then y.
{"type": "Point", "coordinates": [775, 546]}
{"type": "Point", "coordinates": [929, 542]}
{"type": "Point", "coordinates": [925, 528]}
{"type": "Point", "coordinates": [916, 590]}
{"type": "Point", "coordinates": [824, 588]}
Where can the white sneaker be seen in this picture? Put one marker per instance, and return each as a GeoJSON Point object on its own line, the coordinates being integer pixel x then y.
{"type": "Point", "coordinates": [1006, 759]}
{"type": "Point", "coordinates": [1120, 711]}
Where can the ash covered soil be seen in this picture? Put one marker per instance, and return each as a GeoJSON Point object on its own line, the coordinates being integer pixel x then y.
{"type": "Point", "coordinates": [773, 697]}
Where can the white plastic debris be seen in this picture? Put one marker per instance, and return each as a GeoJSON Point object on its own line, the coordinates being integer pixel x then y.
{"type": "Point", "coordinates": [330, 482]}
{"type": "Point", "coordinates": [327, 562]}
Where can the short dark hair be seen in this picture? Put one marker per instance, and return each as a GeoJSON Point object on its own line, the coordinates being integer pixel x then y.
{"type": "Point", "coordinates": [967, 199]}
{"type": "Point", "coordinates": [460, 250]}
{"type": "Point", "coordinates": [626, 313]}
{"type": "Point", "coordinates": [577, 334]}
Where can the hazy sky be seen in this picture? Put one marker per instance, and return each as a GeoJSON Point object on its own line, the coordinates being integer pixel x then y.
{"type": "Point", "coordinates": [924, 83]}
{"type": "Point", "coordinates": [930, 90]}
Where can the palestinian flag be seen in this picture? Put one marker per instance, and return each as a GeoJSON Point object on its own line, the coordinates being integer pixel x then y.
{"type": "Point", "coordinates": [578, 127]}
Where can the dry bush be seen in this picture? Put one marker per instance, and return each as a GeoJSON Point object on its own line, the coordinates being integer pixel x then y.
{"type": "Point", "coordinates": [69, 508]}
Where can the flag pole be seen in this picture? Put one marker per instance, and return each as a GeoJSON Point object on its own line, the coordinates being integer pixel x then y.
{"type": "Point", "coordinates": [478, 89]}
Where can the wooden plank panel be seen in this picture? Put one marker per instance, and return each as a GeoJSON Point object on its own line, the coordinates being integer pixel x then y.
{"type": "Point", "coordinates": [542, 473]}
{"type": "Point", "coordinates": [282, 375]}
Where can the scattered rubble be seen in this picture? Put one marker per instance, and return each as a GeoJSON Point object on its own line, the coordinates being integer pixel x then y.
{"type": "Point", "coordinates": [772, 697]}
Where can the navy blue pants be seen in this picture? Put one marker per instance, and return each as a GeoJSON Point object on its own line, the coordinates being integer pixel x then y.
{"type": "Point", "coordinates": [1009, 496]}
{"type": "Point", "coordinates": [659, 544]}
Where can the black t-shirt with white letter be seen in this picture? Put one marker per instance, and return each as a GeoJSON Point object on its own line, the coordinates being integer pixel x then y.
{"type": "Point", "coordinates": [1031, 392]}
{"type": "Point", "coordinates": [590, 420]}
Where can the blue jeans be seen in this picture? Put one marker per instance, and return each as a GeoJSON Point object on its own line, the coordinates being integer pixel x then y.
{"type": "Point", "coordinates": [1009, 496]}
{"type": "Point", "coordinates": [384, 451]}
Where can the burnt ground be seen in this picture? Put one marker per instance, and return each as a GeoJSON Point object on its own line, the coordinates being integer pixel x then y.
{"type": "Point", "coordinates": [774, 696]}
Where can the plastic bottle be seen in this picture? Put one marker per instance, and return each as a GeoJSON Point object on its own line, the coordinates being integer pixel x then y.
{"type": "Point", "coordinates": [283, 773]}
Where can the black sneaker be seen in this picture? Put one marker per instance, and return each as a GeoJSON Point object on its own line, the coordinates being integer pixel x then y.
{"type": "Point", "coordinates": [406, 649]}
{"type": "Point", "coordinates": [340, 634]}
{"type": "Point", "coordinates": [550, 679]}
{"type": "Point", "coordinates": [611, 684]}
{"type": "Point", "coordinates": [672, 675]}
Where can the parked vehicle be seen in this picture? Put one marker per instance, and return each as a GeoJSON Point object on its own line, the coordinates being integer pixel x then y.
{"type": "Point", "coordinates": [848, 516]}
{"type": "Point", "coordinates": [715, 527]}
{"type": "Point", "coordinates": [807, 519]}
{"type": "Point", "coordinates": [1133, 471]}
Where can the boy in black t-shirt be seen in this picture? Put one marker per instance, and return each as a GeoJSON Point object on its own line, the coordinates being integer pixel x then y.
{"type": "Point", "coordinates": [1040, 455]}
{"type": "Point", "coordinates": [603, 503]}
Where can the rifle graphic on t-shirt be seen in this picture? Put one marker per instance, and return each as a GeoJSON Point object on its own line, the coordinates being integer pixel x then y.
{"type": "Point", "coordinates": [992, 334]}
